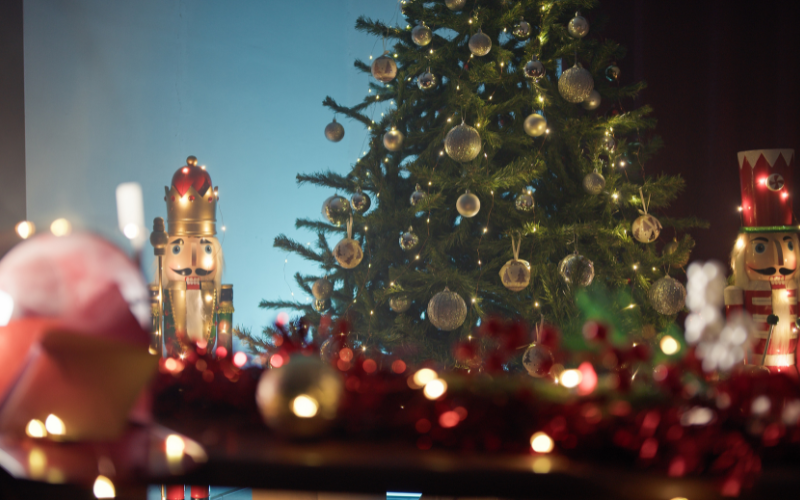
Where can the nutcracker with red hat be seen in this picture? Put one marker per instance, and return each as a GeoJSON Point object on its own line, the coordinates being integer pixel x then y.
{"type": "Point", "coordinates": [765, 257]}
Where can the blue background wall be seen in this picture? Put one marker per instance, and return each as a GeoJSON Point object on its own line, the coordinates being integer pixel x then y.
{"type": "Point", "coordinates": [119, 91]}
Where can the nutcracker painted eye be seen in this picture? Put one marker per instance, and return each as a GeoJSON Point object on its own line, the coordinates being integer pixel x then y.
{"type": "Point", "coordinates": [760, 248]}
{"type": "Point", "coordinates": [208, 249]}
{"type": "Point", "coordinates": [790, 246]}
{"type": "Point", "coordinates": [176, 249]}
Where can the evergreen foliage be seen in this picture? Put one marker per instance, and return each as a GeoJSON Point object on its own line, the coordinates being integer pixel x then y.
{"type": "Point", "coordinates": [492, 94]}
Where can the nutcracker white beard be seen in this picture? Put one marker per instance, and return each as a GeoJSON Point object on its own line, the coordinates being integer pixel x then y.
{"type": "Point", "coordinates": [744, 260]}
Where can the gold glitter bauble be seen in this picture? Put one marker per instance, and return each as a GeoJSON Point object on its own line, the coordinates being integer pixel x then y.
{"type": "Point", "coordinates": [577, 270]}
{"type": "Point", "coordinates": [480, 44]}
{"type": "Point", "coordinates": [667, 296]}
{"type": "Point", "coordinates": [399, 303]}
{"type": "Point", "coordinates": [348, 253]}
{"type": "Point", "coordinates": [384, 69]}
{"type": "Point", "coordinates": [462, 143]}
{"type": "Point", "coordinates": [334, 131]}
{"type": "Point", "coordinates": [409, 240]}
{"type": "Point", "coordinates": [578, 26]}
{"type": "Point", "coordinates": [455, 4]}
{"type": "Point", "coordinates": [321, 305]}
{"type": "Point", "coordinates": [593, 101]}
{"type": "Point", "coordinates": [515, 275]}
{"type": "Point", "coordinates": [393, 140]}
{"type": "Point", "coordinates": [321, 289]}
{"type": "Point", "coordinates": [468, 205]}
{"type": "Point", "coordinates": [521, 29]}
{"type": "Point", "coordinates": [535, 125]}
{"type": "Point", "coordinates": [575, 84]}
{"type": "Point", "coordinates": [594, 183]}
{"type": "Point", "coordinates": [646, 228]}
{"type": "Point", "coordinates": [538, 360]}
{"type": "Point", "coordinates": [336, 209]}
{"type": "Point", "coordinates": [447, 310]}
{"type": "Point", "coordinates": [301, 398]}
{"type": "Point", "coordinates": [421, 35]}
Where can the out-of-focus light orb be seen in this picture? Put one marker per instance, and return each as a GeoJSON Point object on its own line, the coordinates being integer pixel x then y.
{"type": "Point", "coordinates": [669, 345]}
{"type": "Point", "coordinates": [541, 443]}
{"type": "Point", "coordinates": [25, 229]}
{"type": "Point", "coordinates": [60, 227]}
{"type": "Point", "coordinates": [423, 376]}
{"type": "Point", "coordinates": [435, 389]}
{"type": "Point", "coordinates": [36, 429]}
{"type": "Point", "coordinates": [55, 425]}
{"type": "Point", "coordinates": [104, 488]}
{"type": "Point", "coordinates": [571, 378]}
{"type": "Point", "coordinates": [174, 446]}
{"type": "Point", "coordinates": [304, 406]}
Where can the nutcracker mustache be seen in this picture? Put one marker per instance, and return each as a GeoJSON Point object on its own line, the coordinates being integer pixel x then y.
{"type": "Point", "coordinates": [768, 271]}
{"type": "Point", "coordinates": [188, 271]}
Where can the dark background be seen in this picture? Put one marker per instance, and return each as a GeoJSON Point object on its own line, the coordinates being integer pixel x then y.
{"type": "Point", "coordinates": [722, 78]}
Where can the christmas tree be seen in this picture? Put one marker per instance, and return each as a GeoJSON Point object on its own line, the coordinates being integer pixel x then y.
{"type": "Point", "coordinates": [521, 104]}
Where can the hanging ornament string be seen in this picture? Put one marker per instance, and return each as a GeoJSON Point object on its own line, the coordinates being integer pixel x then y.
{"type": "Point", "coordinates": [645, 205]}
{"type": "Point", "coordinates": [515, 246]}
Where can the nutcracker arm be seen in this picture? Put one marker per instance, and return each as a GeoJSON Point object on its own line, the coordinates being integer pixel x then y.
{"type": "Point", "coordinates": [734, 300]}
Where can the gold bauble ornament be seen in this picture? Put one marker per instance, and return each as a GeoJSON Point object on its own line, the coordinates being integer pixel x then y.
{"type": "Point", "coordinates": [521, 29]}
{"type": "Point", "coordinates": [468, 205]}
{"type": "Point", "coordinates": [334, 131]}
{"type": "Point", "coordinates": [348, 253]}
{"type": "Point", "coordinates": [322, 289]}
{"type": "Point", "coordinates": [455, 5]}
{"type": "Point", "coordinates": [537, 360]}
{"type": "Point", "coordinates": [608, 143]}
{"type": "Point", "coordinates": [534, 69]}
{"type": "Point", "coordinates": [384, 68]}
{"type": "Point", "coordinates": [524, 201]}
{"type": "Point", "coordinates": [575, 84]}
{"type": "Point", "coordinates": [409, 240]}
{"type": "Point", "coordinates": [447, 310]}
{"type": "Point", "coordinates": [322, 305]}
{"type": "Point", "coordinates": [578, 26]}
{"type": "Point", "coordinates": [399, 303]}
{"type": "Point", "coordinates": [593, 101]}
{"type": "Point", "coordinates": [535, 125]}
{"type": "Point", "coordinates": [667, 296]}
{"type": "Point", "coordinates": [393, 140]}
{"type": "Point", "coordinates": [515, 275]}
{"type": "Point", "coordinates": [417, 196]}
{"type": "Point", "coordinates": [646, 228]}
{"type": "Point", "coordinates": [336, 209]}
{"type": "Point", "coordinates": [480, 44]}
{"type": "Point", "coordinates": [426, 81]}
{"type": "Point", "coordinates": [301, 398]}
{"type": "Point", "coordinates": [594, 183]}
{"type": "Point", "coordinates": [421, 35]}
{"type": "Point", "coordinates": [462, 143]}
{"type": "Point", "coordinates": [360, 202]}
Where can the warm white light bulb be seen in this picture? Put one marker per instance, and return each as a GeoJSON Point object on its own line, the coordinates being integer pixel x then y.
{"type": "Point", "coordinates": [304, 406]}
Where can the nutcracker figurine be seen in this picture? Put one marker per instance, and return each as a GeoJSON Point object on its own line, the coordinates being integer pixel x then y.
{"type": "Point", "coordinates": [195, 308]}
{"type": "Point", "coordinates": [764, 259]}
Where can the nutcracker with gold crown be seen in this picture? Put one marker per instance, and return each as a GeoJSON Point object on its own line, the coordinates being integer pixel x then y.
{"type": "Point", "coordinates": [765, 257]}
{"type": "Point", "coordinates": [196, 307]}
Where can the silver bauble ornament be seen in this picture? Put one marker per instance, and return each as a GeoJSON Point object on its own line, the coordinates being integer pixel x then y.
{"type": "Point", "coordinates": [336, 209]}
{"type": "Point", "coordinates": [667, 296]}
{"type": "Point", "coordinates": [301, 398]}
{"type": "Point", "coordinates": [515, 275]}
{"type": "Point", "coordinates": [409, 240]}
{"type": "Point", "coordinates": [455, 4]}
{"type": "Point", "coordinates": [322, 289]}
{"type": "Point", "coordinates": [329, 350]}
{"type": "Point", "coordinates": [535, 125]}
{"type": "Point", "coordinates": [612, 73]}
{"type": "Point", "coordinates": [593, 101]}
{"type": "Point", "coordinates": [578, 26]}
{"type": "Point", "coordinates": [348, 253]}
{"type": "Point", "coordinates": [577, 270]}
{"type": "Point", "coordinates": [393, 140]}
{"type": "Point", "coordinates": [334, 131]}
{"type": "Point", "coordinates": [524, 201]}
{"type": "Point", "coordinates": [417, 196]}
{"type": "Point", "coordinates": [672, 247]}
{"type": "Point", "coordinates": [534, 69]}
{"type": "Point", "coordinates": [608, 143]}
{"type": "Point", "coordinates": [447, 310]}
{"type": "Point", "coordinates": [360, 202]}
{"type": "Point", "coordinates": [468, 205]}
{"type": "Point", "coordinates": [594, 183]}
{"type": "Point", "coordinates": [426, 81]}
{"type": "Point", "coordinates": [521, 29]}
{"type": "Point", "coordinates": [384, 68]}
{"type": "Point", "coordinates": [646, 228]}
{"type": "Point", "coordinates": [538, 360]}
{"type": "Point", "coordinates": [462, 143]}
{"type": "Point", "coordinates": [421, 35]}
{"type": "Point", "coordinates": [575, 84]}
{"type": "Point", "coordinates": [321, 305]}
{"type": "Point", "coordinates": [399, 303]}
{"type": "Point", "coordinates": [480, 44]}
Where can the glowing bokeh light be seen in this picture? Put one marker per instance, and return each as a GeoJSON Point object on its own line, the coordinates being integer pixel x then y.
{"type": "Point", "coordinates": [54, 425]}
{"type": "Point", "coordinates": [669, 345]}
{"type": "Point", "coordinates": [541, 443]}
{"type": "Point", "coordinates": [304, 406]}
{"type": "Point", "coordinates": [239, 359]}
{"type": "Point", "coordinates": [571, 378]}
{"type": "Point", "coordinates": [104, 488]}
{"type": "Point", "coordinates": [36, 429]}
{"type": "Point", "coordinates": [435, 389]}
{"type": "Point", "coordinates": [174, 447]}
{"type": "Point", "coordinates": [423, 376]}
{"type": "Point", "coordinates": [60, 227]}
{"type": "Point", "coordinates": [25, 229]}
